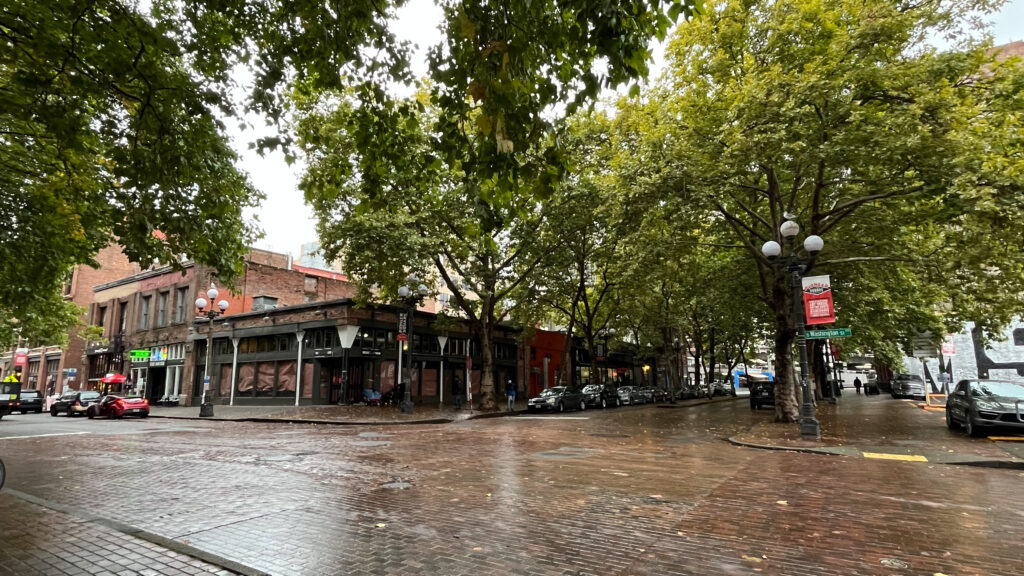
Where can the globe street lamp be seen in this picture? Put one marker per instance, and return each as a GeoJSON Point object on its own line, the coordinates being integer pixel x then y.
{"type": "Point", "coordinates": [796, 266]}
{"type": "Point", "coordinates": [206, 409]}
{"type": "Point", "coordinates": [411, 295]}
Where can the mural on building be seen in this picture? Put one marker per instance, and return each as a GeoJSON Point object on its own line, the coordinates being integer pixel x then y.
{"type": "Point", "coordinates": [1000, 360]}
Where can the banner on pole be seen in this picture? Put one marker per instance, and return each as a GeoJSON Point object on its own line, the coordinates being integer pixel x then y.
{"type": "Point", "coordinates": [818, 307]}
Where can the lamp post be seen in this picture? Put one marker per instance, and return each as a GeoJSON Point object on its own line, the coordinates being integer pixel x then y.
{"type": "Point", "coordinates": [411, 295]}
{"type": "Point", "coordinates": [206, 409]}
{"type": "Point", "coordinates": [607, 361]}
{"type": "Point", "coordinates": [796, 266]}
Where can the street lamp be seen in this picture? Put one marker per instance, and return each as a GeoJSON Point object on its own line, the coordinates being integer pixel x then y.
{"type": "Point", "coordinates": [796, 266]}
{"type": "Point", "coordinates": [607, 356]}
{"type": "Point", "coordinates": [411, 295]}
{"type": "Point", "coordinates": [206, 409]}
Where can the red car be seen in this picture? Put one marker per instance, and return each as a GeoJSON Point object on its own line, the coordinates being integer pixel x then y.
{"type": "Point", "coordinates": [119, 406]}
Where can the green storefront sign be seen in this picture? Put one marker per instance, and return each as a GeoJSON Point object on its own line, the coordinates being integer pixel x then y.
{"type": "Point", "coordinates": [831, 333]}
{"type": "Point", "coordinates": [139, 355]}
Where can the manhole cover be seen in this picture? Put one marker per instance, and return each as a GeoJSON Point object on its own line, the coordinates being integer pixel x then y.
{"type": "Point", "coordinates": [894, 563]}
{"type": "Point", "coordinates": [609, 435]}
{"type": "Point", "coordinates": [397, 485]}
{"type": "Point", "coordinates": [372, 443]}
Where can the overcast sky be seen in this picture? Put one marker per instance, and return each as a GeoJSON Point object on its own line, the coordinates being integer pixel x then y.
{"type": "Point", "coordinates": [284, 216]}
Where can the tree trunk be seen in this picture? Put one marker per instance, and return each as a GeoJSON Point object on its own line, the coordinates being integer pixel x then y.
{"type": "Point", "coordinates": [713, 368]}
{"type": "Point", "coordinates": [565, 365]}
{"type": "Point", "coordinates": [787, 405]}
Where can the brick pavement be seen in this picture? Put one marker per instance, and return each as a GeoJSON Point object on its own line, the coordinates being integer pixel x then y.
{"type": "Point", "coordinates": [633, 491]}
{"type": "Point", "coordinates": [37, 541]}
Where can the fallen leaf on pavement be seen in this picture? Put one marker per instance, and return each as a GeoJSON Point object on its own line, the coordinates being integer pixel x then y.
{"type": "Point", "coordinates": [782, 503]}
{"type": "Point", "coordinates": [750, 558]}
{"type": "Point", "coordinates": [381, 524]}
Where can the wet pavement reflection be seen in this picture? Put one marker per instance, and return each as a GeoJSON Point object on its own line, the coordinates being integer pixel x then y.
{"type": "Point", "coordinates": [629, 491]}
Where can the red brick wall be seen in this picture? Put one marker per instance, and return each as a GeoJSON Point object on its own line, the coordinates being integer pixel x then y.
{"type": "Point", "coordinates": [290, 287]}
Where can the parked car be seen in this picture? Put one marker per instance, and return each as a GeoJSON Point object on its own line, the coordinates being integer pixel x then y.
{"type": "Point", "coordinates": [645, 394]}
{"type": "Point", "coordinates": [118, 407]}
{"type": "Point", "coordinates": [558, 398]}
{"type": "Point", "coordinates": [661, 395]}
{"type": "Point", "coordinates": [31, 401]}
{"type": "Point", "coordinates": [602, 395]}
{"type": "Point", "coordinates": [720, 388]}
{"type": "Point", "coordinates": [907, 386]}
{"type": "Point", "coordinates": [981, 406]}
{"type": "Point", "coordinates": [762, 392]}
{"type": "Point", "coordinates": [628, 395]}
{"type": "Point", "coordinates": [9, 397]}
{"type": "Point", "coordinates": [74, 402]}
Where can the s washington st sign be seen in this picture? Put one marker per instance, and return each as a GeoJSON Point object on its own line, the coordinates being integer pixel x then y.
{"type": "Point", "coordinates": [830, 333]}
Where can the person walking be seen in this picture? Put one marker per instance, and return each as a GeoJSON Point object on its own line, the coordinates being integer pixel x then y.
{"type": "Point", "coordinates": [856, 385]}
{"type": "Point", "coordinates": [458, 391]}
{"type": "Point", "coordinates": [510, 393]}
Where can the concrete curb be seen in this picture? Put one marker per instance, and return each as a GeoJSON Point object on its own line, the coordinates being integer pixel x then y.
{"type": "Point", "coordinates": [165, 542]}
{"type": "Point", "coordinates": [680, 404]}
{"type": "Point", "coordinates": [983, 463]}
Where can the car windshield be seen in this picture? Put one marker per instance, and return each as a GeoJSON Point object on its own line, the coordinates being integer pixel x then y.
{"type": "Point", "coordinates": [591, 388]}
{"type": "Point", "coordinates": [910, 377]}
{"type": "Point", "coordinates": [1007, 389]}
{"type": "Point", "coordinates": [553, 391]}
{"type": "Point", "coordinates": [90, 395]}
{"type": "Point", "coordinates": [29, 394]}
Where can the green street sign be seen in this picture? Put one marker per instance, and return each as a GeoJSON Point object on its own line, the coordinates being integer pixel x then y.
{"type": "Point", "coordinates": [142, 354]}
{"type": "Point", "coordinates": [831, 333]}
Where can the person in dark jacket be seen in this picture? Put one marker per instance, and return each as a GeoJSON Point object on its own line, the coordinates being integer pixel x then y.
{"type": "Point", "coordinates": [856, 384]}
{"type": "Point", "coordinates": [510, 393]}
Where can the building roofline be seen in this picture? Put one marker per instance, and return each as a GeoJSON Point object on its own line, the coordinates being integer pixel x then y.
{"type": "Point", "coordinates": [141, 276]}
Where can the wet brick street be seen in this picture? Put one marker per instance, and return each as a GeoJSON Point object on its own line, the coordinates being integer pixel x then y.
{"type": "Point", "coordinates": [631, 491]}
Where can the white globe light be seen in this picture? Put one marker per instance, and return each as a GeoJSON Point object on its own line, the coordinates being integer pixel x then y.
{"type": "Point", "coordinates": [789, 229]}
{"type": "Point", "coordinates": [223, 305]}
{"type": "Point", "coordinates": [611, 331]}
{"type": "Point", "coordinates": [403, 291]}
{"type": "Point", "coordinates": [201, 303]}
{"type": "Point", "coordinates": [814, 244]}
{"type": "Point", "coordinates": [771, 249]}
{"type": "Point", "coordinates": [422, 288]}
{"type": "Point", "coordinates": [212, 292]}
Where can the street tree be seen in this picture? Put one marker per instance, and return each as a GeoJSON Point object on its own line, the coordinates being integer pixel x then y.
{"type": "Point", "coordinates": [457, 181]}
{"type": "Point", "coordinates": [842, 115]}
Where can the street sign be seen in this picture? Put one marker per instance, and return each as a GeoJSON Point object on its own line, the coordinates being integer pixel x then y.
{"type": "Point", "coordinates": [831, 333]}
{"type": "Point", "coordinates": [402, 337]}
{"type": "Point", "coordinates": [20, 356]}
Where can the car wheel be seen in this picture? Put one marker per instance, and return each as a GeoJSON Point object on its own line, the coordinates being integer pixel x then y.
{"type": "Point", "coordinates": [39, 410]}
{"type": "Point", "coordinates": [53, 411]}
{"type": "Point", "coordinates": [604, 402]}
{"type": "Point", "coordinates": [583, 405]}
{"type": "Point", "coordinates": [145, 414]}
{"type": "Point", "coordinates": [753, 404]}
{"type": "Point", "coordinates": [90, 414]}
{"type": "Point", "coordinates": [971, 429]}
{"type": "Point", "coordinates": [950, 423]}
{"type": "Point", "coordinates": [561, 407]}
{"type": "Point", "coordinates": [618, 401]}
{"type": "Point", "coordinates": [70, 413]}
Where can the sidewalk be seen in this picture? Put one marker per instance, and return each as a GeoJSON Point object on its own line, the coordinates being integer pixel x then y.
{"type": "Point", "coordinates": [880, 427]}
{"type": "Point", "coordinates": [358, 415]}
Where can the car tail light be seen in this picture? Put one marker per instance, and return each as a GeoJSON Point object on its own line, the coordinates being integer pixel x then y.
{"type": "Point", "coordinates": [120, 403]}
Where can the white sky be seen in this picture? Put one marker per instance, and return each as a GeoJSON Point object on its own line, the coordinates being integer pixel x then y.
{"type": "Point", "coordinates": [286, 219]}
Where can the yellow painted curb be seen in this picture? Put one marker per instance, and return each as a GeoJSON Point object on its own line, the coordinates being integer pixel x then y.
{"type": "Point", "coordinates": [1006, 438]}
{"type": "Point", "coordinates": [902, 457]}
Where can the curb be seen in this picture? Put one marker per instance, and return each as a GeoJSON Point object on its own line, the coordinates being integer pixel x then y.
{"type": "Point", "coordinates": [308, 421]}
{"type": "Point", "coordinates": [1005, 464]}
{"type": "Point", "coordinates": [701, 403]}
{"type": "Point", "coordinates": [163, 541]}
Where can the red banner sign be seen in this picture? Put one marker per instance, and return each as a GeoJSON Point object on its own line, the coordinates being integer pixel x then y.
{"type": "Point", "coordinates": [818, 307]}
{"type": "Point", "coordinates": [21, 356]}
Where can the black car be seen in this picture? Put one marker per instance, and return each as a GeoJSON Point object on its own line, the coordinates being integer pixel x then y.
{"type": "Point", "coordinates": [558, 398]}
{"type": "Point", "coordinates": [981, 406]}
{"type": "Point", "coordinates": [74, 403]}
{"type": "Point", "coordinates": [601, 395]}
{"type": "Point", "coordinates": [31, 401]}
{"type": "Point", "coordinates": [762, 391]}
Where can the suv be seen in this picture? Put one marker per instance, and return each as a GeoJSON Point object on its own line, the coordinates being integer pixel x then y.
{"type": "Point", "coordinates": [603, 395]}
{"type": "Point", "coordinates": [908, 386]}
{"type": "Point", "coordinates": [74, 403]}
{"type": "Point", "coordinates": [9, 394]}
{"type": "Point", "coordinates": [31, 401]}
{"type": "Point", "coordinates": [762, 391]}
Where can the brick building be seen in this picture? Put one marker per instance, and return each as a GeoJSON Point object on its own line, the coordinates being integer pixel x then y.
{"type": "Point", "coordinates": [147, 318]}
{"type": "Point", "coordinates": [49, 367]}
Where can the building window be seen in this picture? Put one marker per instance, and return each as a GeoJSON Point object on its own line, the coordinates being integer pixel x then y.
{"type": "Point", "coordinates": [101, 316]}
{"type": "Point", "coordinates": [123, 306]}
{"type": "Point", "coordinates": [144, 313]}
{"type": "Point", "coordinates": [179, 304]}
{"type": "Point", "coordinates": [161, 309]}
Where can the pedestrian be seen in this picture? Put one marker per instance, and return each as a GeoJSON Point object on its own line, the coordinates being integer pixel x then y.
{"type": "Point", "coordinates": [510, 393]}
{"type": "Point", "coordinates": [458, 391]}
{"type": "Point", "coordinates": [856, 384]}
